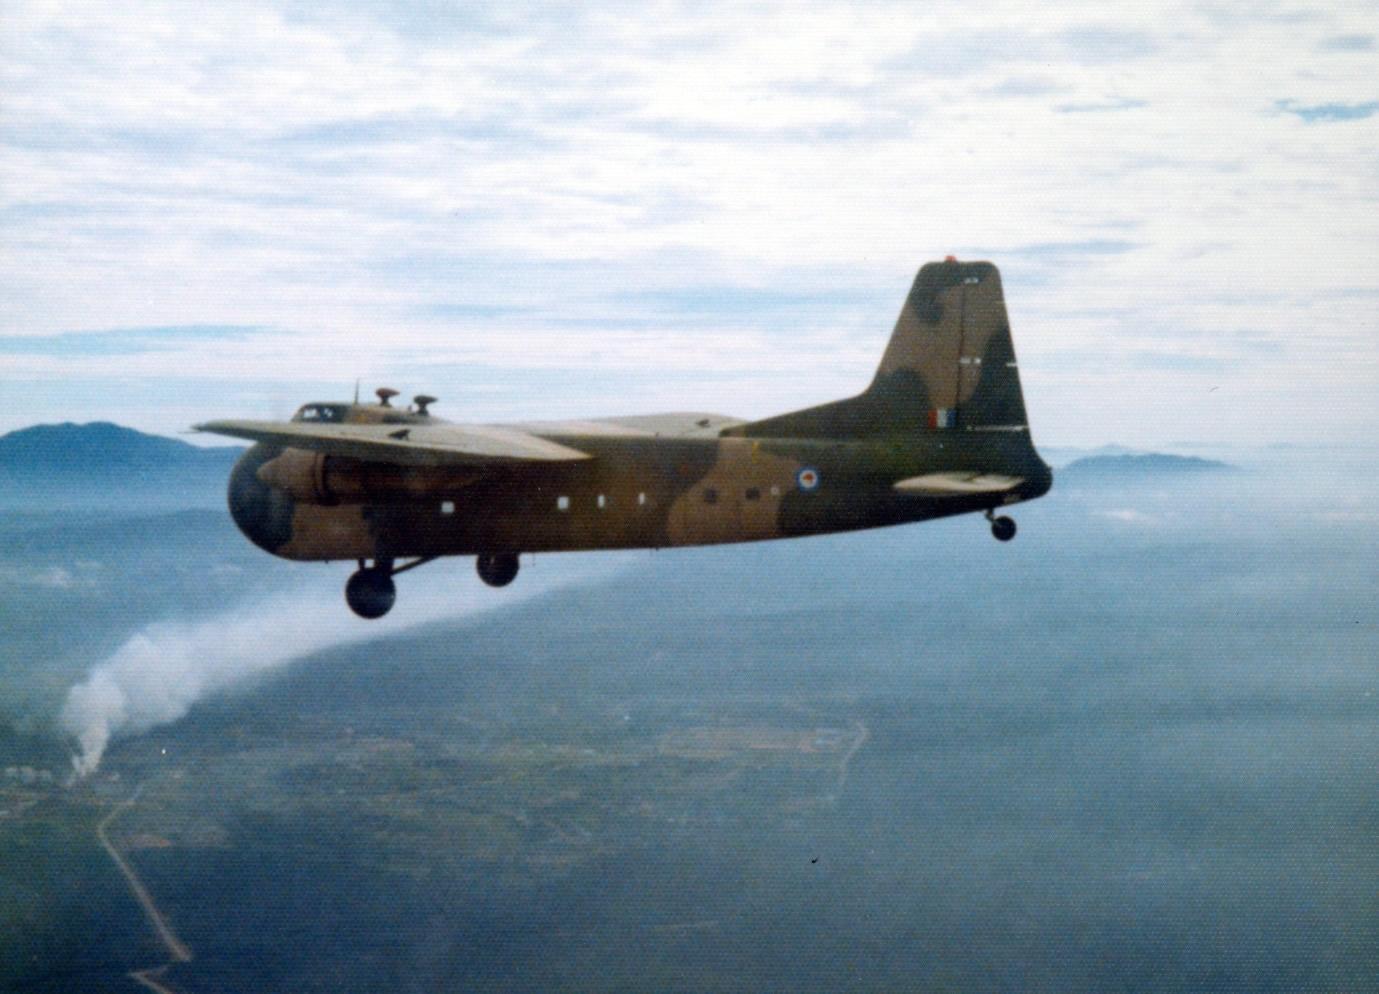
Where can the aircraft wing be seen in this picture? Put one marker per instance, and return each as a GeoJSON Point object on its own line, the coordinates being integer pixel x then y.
{"type": "Point", "coordinates": [410, 445]}
{"type": "Point", "coordinates": [959, 483]}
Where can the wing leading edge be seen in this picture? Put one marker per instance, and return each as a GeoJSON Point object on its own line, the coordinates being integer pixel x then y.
{"type": "Point", "coordinates": [408, 445]}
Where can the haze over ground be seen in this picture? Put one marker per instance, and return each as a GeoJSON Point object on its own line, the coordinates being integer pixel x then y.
{"type": "Point", "coordinates": [1133, 749]}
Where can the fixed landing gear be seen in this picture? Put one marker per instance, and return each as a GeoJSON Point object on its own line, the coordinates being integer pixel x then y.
{"type": "Point", "coordinates": [1002, 528]}
{"type": "Point", "coordinates": [370, 593]}
{"type": "Point", "coordinates": [498, 569]}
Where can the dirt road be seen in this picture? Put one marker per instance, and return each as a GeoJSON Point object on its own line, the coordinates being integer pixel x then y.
{"type": "Point", "coordinates": [178, 952]}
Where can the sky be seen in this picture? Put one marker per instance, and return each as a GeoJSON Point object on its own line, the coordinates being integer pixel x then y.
{"type": "Point", "coordinates": [541, 211]}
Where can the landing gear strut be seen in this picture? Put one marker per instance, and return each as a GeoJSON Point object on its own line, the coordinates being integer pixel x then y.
{"type": "Point", "coordinates": [498, 569]}
{"type": "Point", "coordinates": [370, 592]}
{"type": "Point", "coordinates": [1002, 528]}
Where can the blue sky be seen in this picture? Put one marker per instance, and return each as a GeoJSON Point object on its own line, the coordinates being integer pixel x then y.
{"type": "Point", "coordinates": [535, 212]}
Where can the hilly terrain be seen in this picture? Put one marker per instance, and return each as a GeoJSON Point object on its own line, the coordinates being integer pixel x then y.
{"type": "Point", "coordinates": [1106, 470]}
{"type": "Point", "coordinates": [107, 466]}
{"type": "Point", "coordinates": [1130, 750]}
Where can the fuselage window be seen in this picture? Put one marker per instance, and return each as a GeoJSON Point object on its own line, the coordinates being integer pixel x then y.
{"type": "Point", "coordinates": [710, 496]}
{"type": "Point", "coordinates": [641, 500]}
{"type": "Point", "coordinates": [603, 502]}
{"type": "Point", "coordinates": [562, 503]}
{"type": "Point", "coordinates": [753, 493]}
{"type": "Point", "coordinates": [447, 507]}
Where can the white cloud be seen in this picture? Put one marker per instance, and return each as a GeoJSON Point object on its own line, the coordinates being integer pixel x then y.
{"type": "Point", "coordinates": [1128, 516]}
{"type": "Point", "coordinates": [346, 175]}
{"type": "Point", "coordinates": [50, 577]}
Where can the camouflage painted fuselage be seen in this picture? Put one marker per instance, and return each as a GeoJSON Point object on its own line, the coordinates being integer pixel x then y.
{"type": "Point", "coordinates": [945, 405]}
{"type": "Point", "coordinates": [641, 491]}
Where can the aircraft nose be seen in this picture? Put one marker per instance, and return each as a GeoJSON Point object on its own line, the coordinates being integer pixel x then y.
{"type": "Point", "coordinates": [261, 512]}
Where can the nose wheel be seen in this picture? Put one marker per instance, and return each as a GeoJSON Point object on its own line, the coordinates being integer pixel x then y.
{"type": "Point", "coordinates": [498, 569]}
{"type": "Point", "coordinates": [1002, 528]}
{"type": "Point", "coordinates": [370, 592]}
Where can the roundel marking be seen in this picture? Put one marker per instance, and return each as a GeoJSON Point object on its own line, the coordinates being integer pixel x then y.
{"type": "Point", "coordinates": [807, 478]}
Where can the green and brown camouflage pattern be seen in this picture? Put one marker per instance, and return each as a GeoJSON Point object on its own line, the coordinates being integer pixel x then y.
{"type": "Point", "coordinates": [945, 399]}
{"type": "Point", "coordinates": [950, 350]}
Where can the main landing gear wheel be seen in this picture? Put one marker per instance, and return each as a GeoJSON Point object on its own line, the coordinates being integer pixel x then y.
{"type": "Point", "coordinates": [371, 592]}
{"type": "Point", "coordinates": [1002, 528]}
{"type": "Point", "coordinates": [498, 569]}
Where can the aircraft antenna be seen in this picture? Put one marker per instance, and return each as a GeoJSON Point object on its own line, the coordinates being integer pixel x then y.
{"type": "Point", "coordinates": [356, 391]}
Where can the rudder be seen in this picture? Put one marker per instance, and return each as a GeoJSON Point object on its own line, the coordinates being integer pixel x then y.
{"type": "Point", "coordinates": [950, 363]}
{"type": "Point", "coordinates": [953, 335]}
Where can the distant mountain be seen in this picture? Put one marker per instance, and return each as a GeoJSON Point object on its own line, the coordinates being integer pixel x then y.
{"type": "Point", "coordinates": [100, 446]}
{"type": "Point", "coordinates": [105, 465]}
{"type": "Point", "coordinates": [1056, 455]}
{"type": "Point", "coordinates": [1103, 469]}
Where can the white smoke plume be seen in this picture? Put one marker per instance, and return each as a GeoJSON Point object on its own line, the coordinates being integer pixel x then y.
{"type": "Point", "coordinates": [156, 676]}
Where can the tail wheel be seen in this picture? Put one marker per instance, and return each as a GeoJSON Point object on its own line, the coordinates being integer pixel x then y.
{"type": "Point", "coordinates": [1003, 528]}
{"type": "Point", "coordinates": [498, 569]}
{"type": "Point", "coordinates": [371, 592]}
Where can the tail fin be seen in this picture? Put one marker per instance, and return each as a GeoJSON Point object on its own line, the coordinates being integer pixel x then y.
{"type": "Point", "coordinates": [950, 364]}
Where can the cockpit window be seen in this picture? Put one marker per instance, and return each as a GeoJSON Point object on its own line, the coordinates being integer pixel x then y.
{"type": "Point", "coordinates": [318, 413]}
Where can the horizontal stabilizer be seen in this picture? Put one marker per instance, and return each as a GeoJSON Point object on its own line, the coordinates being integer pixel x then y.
{"type": "Point", "coordinates": [408, 445]}
{"type": "Point", "coordinates": [957, 484]}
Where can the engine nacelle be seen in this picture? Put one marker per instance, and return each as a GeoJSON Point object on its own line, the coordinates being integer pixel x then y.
{"type": "Point", "coordinates": [317, 478]}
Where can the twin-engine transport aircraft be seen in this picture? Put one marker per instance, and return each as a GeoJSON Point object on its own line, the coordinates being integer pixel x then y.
{"type": "Point", "coordinates": [941, 430]}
